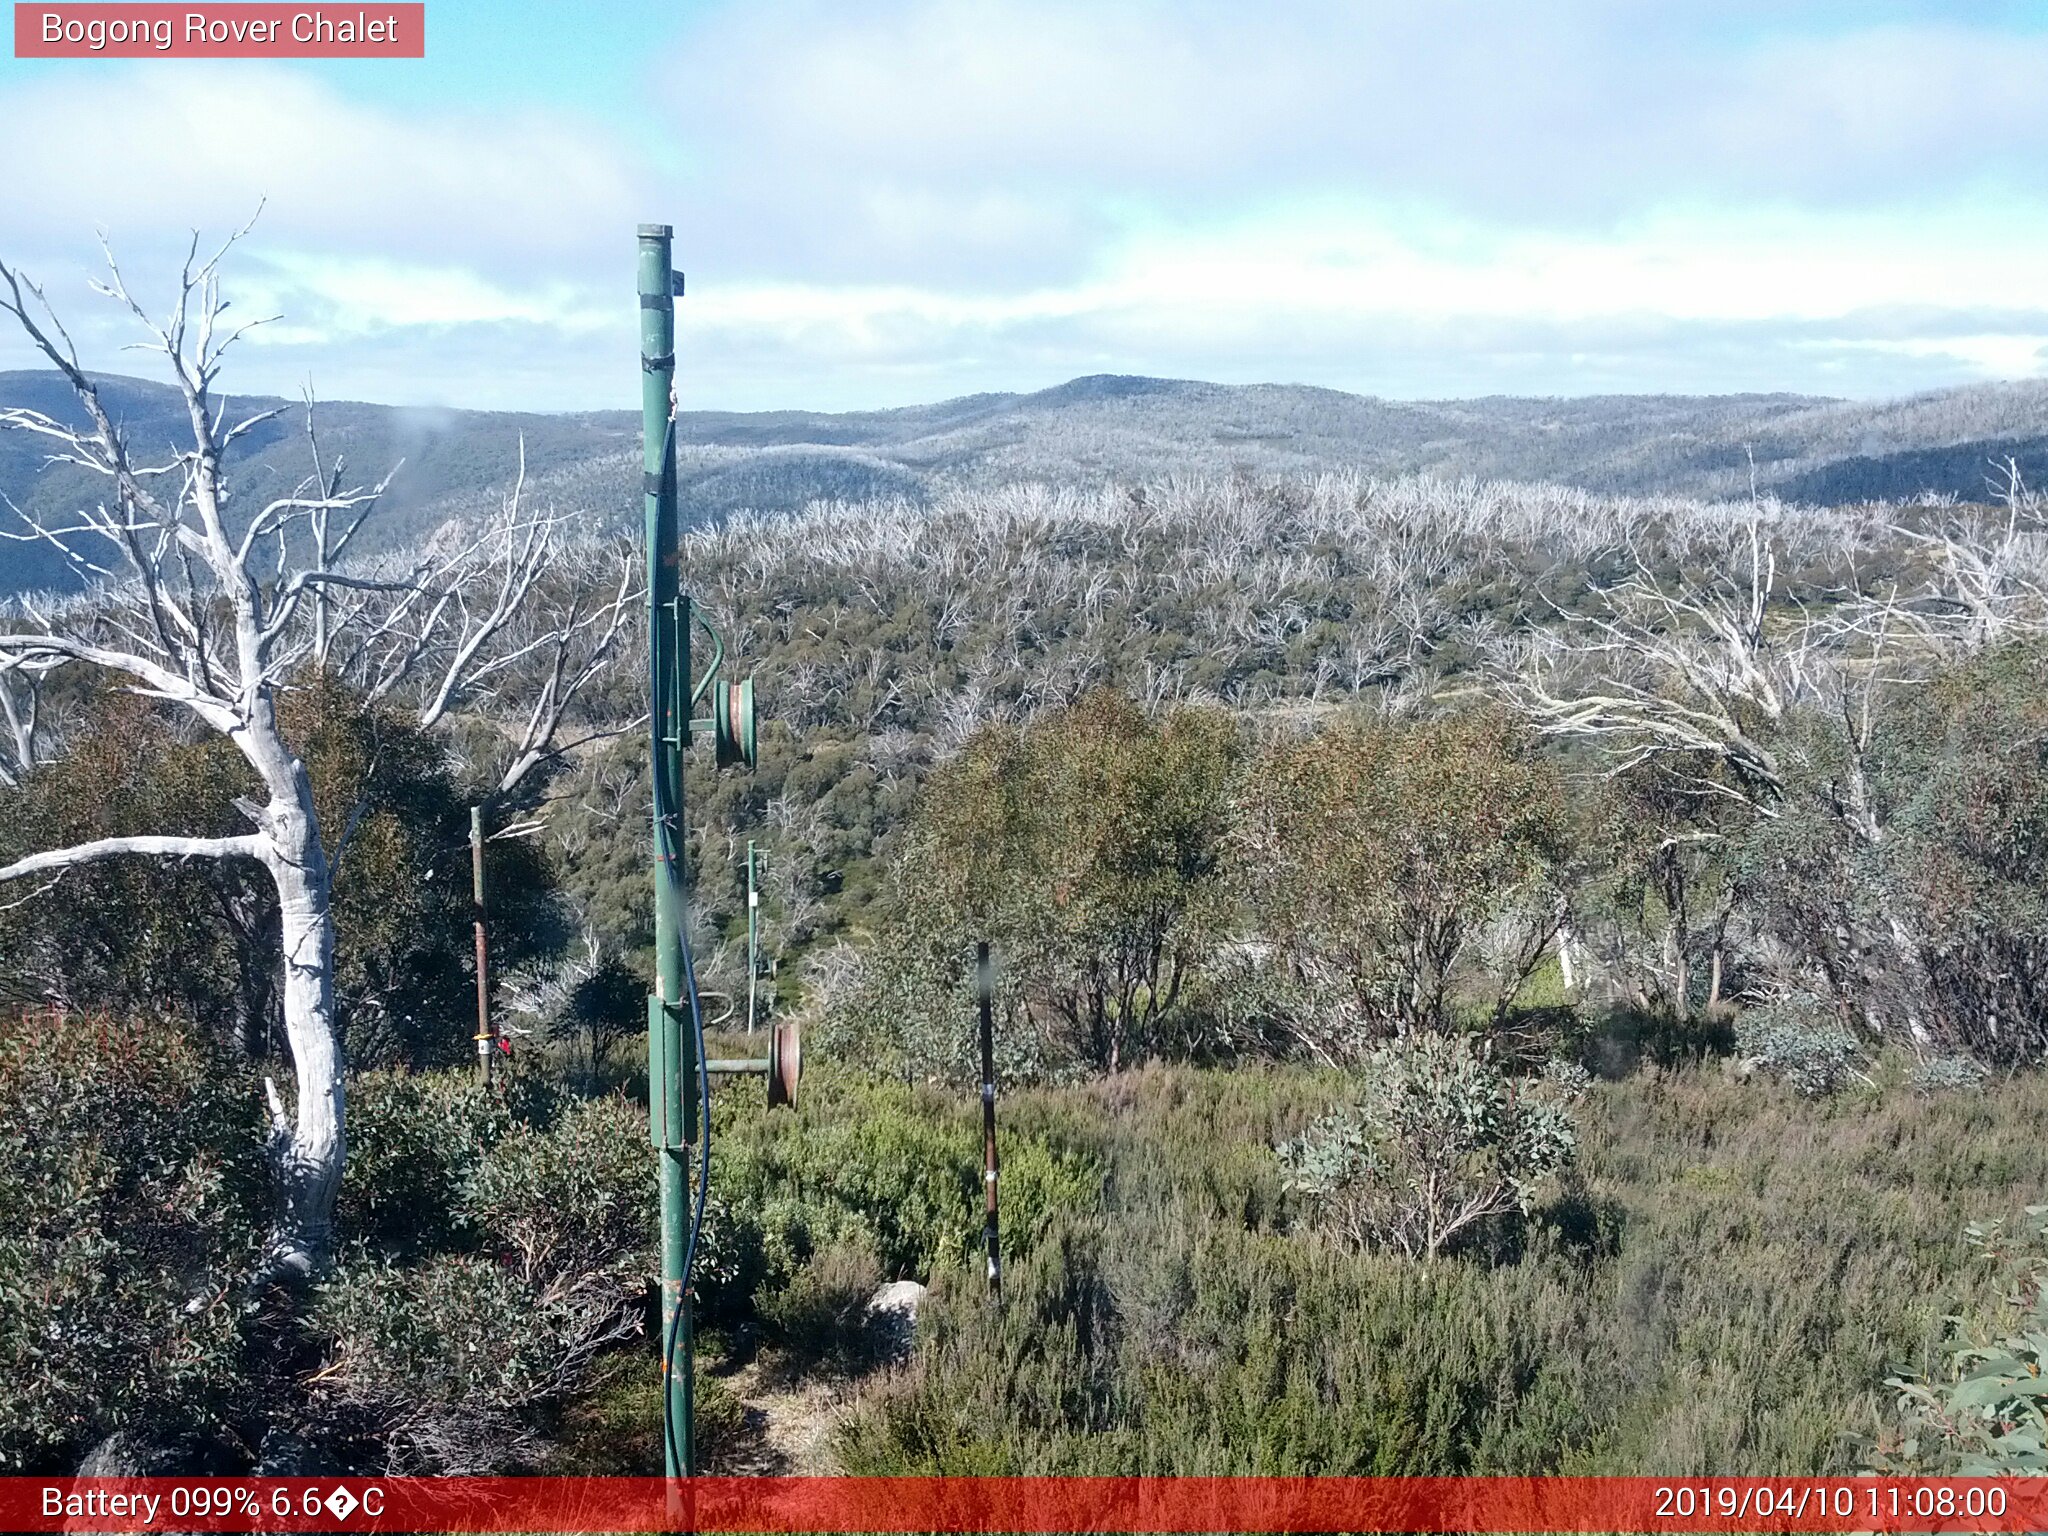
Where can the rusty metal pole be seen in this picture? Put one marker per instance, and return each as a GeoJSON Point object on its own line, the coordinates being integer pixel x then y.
{"type": "Point", "coordinates": [486, 1038]}
{"type": "Point", "coordinates": [984, 983]}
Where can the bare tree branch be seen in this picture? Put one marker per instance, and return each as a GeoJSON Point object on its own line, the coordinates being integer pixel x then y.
{"type": "Point", "coordinates": [248, 847]}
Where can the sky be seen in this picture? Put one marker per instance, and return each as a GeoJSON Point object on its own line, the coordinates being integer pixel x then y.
{"type": "Point", "coordinates": [898, 201]}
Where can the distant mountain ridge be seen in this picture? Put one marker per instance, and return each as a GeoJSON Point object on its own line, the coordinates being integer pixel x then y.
{"type": "Point", "coordinates": [1091, 429]}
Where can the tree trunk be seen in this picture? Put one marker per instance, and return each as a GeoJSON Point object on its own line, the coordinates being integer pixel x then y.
{"type": "Point", "coordinates": [308, 1149]}
{"type": "Point", "coordinates": [1671, 968]}
{"type": "Point", "coordinates": [1908, 965]}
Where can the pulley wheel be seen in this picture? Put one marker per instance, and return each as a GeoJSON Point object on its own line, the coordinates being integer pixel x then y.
{"type": "Point", "coordinates": [785, 1064]}
{"type": "Point", "coordinates": [733, 727]}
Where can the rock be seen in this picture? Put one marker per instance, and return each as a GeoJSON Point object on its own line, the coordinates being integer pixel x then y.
{"type": "Point", "coordinates": [898, 1296]}
{"type": "Point", "coordinates": [121, 1455]}
{"type": "Point", "coordinates": [892, 1318]}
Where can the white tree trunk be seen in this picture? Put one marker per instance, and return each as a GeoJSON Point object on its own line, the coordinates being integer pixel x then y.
{"type": "Point", "coordinates": [307, 1149]}
{"type": "Point", "coordinates": [309, 1154]}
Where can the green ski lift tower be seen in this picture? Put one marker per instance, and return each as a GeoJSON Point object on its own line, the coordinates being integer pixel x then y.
{"type": "Point", "coordinates": [678, 1073]}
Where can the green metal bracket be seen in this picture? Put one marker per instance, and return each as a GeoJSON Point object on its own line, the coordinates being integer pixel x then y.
{"type": "Point", "coordinates": [671, 1047]}
{"type": "Point", "coordinates": [659, 1071]}
{"type": "Point", "coordinates": [734, 735]}
{"type": "Point", "coordinates": [717, 659]}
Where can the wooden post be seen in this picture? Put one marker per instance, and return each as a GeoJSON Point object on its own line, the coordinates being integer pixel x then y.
{"type": "Point", "coordinates": [753, 938]}
{"type": "Point", "coordinates": [984, 980]}
{"type": "Point", "coordinates": [486, 1037]}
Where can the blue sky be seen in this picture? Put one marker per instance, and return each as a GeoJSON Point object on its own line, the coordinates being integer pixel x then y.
{"type": "Point", "coordinates": [899, 200]}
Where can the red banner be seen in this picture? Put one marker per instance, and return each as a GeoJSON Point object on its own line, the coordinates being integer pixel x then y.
{"type": "Point", "coordinates": [1052, 1504]}
{"type": "Point", "coordinates": [220, 31]}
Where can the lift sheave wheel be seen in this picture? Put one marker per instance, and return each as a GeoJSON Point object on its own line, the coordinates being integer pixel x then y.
{"type": "Point", "coordinates": [785, 1064]}
{"type": "Point", "coordinates": [732, 718]}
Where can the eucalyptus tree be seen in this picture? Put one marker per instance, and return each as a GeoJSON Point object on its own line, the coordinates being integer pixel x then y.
{"type": "Point", "coordinates": [213, 607]}
{"type": "Point", "coordinates": [1788, 717]}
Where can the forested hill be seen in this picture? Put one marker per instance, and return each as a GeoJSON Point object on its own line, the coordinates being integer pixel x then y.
{"type": "Point", "coordinates": [1086, 431]}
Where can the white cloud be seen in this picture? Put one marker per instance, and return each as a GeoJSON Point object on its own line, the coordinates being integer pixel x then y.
{"type": "Point", "coordinates": [336, 298]}
{"type": "Point", "coordinates": [198, 144]}
{"type": "Point", "coordinates": [374, 219]}
{"type": "Point", "coordinates": [1564, 115]}
{"type": "Point", "coordinates": [909, 198]}
{"type": "Point", "coordinates": [1299, 271]}
{"type": "Point", "coordinates": [1990, 356]}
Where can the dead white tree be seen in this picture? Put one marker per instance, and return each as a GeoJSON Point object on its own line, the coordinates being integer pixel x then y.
{"type": "Point", "coordinates": [213, 608]}
{"type": "Point", "coordinates": [1692, 678]}
{"type": "Point", "coordinates": [1680, 673]}
{"type": "Point", "coordinates": [514, 620]}
{"type": "Point", "coordinates": [21, 704]}
{"type": "Point", "coordinates": [1698, 677]}
{"type": "Point", "coordinates": [1990, 573]}
{"type": "Point", "coordinates": [557, 642]}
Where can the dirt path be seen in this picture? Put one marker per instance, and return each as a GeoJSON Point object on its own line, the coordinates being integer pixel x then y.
{"type": "Point", "coordinates": [788, 1429]}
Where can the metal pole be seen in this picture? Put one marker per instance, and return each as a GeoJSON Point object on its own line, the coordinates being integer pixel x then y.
{"type": "Point", "coordinates": [753, 951]}
{"type": "Point", "coordinates": [984, 986]}
{"type": "Point", "coordinates": [486, 1037]}
{"type": "Point", "coordinates": [671, 1068]}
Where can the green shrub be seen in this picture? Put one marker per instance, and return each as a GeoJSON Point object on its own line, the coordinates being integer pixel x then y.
{"type": "Point", "coordinates": [414, 1139]}
{"type": "Point", "coordinates": [1439, 1140]}
{"type": "Point", "coordinates": [445, 1365]}
{"type": "Point", "coordinates": [740, 1246]}
{"type": "Point", "coordinates": [1801, 1042]}
{"type": "Point", "coordinates": [1983, 1416]}
{"type": "Point", "coordinates": [721, 1418]}
{"type": "Point", "coordinates": [570, 1205]}
{"type": "Point", "coordinates": [1165, 1345]}
{"type": "Point", "coordinates": [440, 1365]}
{"type": "Point", "coordinates": [1964, 770]}
{"type": "Point", "coordinates": [905, 1179]}
{"type": "Point", "coordinates": [613, 1428]}
{"type": "Point", "coordinates": [888, 1166]}
{"type": "Point", "coordinates": [132, 1206]}
{"type": "Point", "coordinates": [1949, 1074]}
{"type": "Point", "coordinates": [821, 1314]}
{"type": "Point", "coordinates": [1664, 1311]}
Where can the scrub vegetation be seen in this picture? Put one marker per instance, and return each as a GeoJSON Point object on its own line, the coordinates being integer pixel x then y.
{"type": "Point", "coordinates": [1492, 978]}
